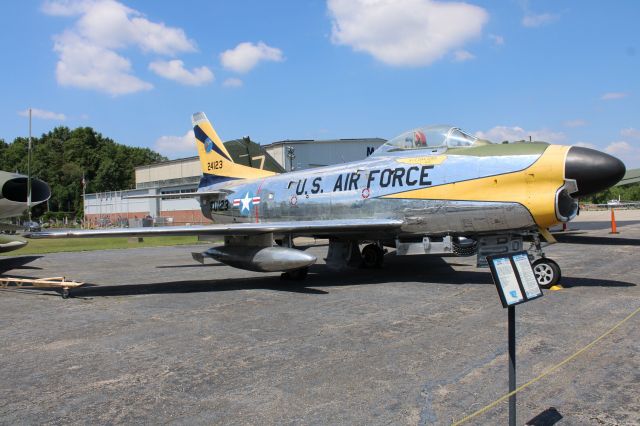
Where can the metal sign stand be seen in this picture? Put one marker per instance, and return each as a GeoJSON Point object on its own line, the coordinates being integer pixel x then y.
{"type": "Point", "coordinates": [513, 275]}
{"type": "Point", "coordinates": [512, 364]}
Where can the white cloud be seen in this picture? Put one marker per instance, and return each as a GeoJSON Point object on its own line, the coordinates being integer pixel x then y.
{"type": "Point", "coordinates": [245, 56]}
{"type": "Point", "coordinates": [585, 145]}
{"type": "Point", "coordinates": [43, 114]}
{"type": "Point", "coordinates": [88, 66]}
{"type": "Point", "coordinates": [87, 56]}
{"type": "Point", "coordinates": [532, 21]}
{"type": "Point", "coordinates": [64, 7]}
{"type": "Point", "coordinates": [113, 25]}
{"type": "Point", "coordinates": [175, 70]}
{"type": "Point", "coordinates": [575, 123]}
{"type": "Point", "coordinates": [176, 146]}
{"type": "Point", "coordinates": [627, 152]}
{"type": "Point", "coordinates": [630, 133]}
{"type": "Point", "coordinates": [496, 39]}
{"type": "Point", "coordinates": [515, 133]}
{"type": "Point", "coordinates": [620, 147]}
{"type": "Point", "coordinates": [462, 56]}
{"type": "Point", "coordinates": [405, 32]}
{"type": "Point", "coordinates": [232, 82]}
{"type": "Point", "coordinates": [613, 95]}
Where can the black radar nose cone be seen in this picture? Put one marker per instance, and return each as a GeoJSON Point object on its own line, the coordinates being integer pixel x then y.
{"type": "Point", "coordinates": [593, 170]}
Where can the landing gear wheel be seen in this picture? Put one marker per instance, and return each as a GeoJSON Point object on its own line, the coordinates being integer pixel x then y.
{"type": "Point", "coordinates": [65, 293]}
{"type": "Point", "coordinates": [372, 256]}
{"type": "Point", "coordinates": [547, 272]}
{"type": "Point", "coordinates": [297, 275]}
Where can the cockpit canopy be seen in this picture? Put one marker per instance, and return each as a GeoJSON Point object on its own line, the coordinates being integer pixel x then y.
{"type": "Point", "coordinates": [428, 137]}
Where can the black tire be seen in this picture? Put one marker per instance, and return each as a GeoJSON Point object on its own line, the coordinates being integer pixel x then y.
{"type": "Point", "coordinates": [372, 256]}
{"type": "Point", "coordinates": [547, 272]}
{"type": "Point", "coordinates": [297, 275]}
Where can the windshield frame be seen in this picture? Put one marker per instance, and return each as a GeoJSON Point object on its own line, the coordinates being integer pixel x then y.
{"type": "Point", "coordinates": [445, 134]}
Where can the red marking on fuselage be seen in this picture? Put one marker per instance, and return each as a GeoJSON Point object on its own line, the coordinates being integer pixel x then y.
{"type": "Point", "coordinates": [257, 206]}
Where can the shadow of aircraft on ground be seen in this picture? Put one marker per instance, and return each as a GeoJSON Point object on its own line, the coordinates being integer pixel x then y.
{"type": "Point", "coordinates": [17, 262]}
{"type": "Point", "coordinates": [321, 279]}
{"type": "Point", "coordinates": [594, 225]}
{"type": "Point", "coordinates": [593, 240]}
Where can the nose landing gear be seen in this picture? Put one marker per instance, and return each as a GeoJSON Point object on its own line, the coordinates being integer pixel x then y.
{"type": "Point", "coordinates": [547, 272]}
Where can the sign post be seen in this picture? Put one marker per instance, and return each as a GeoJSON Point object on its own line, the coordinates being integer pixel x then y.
{"type": "Point", "coordinates": [512, 363]}
{"type": "Point", "coordinates": [516, 283]}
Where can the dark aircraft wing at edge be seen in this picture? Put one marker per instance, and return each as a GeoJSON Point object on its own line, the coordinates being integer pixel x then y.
{"type": "Point", "coordinates": [335, 226]}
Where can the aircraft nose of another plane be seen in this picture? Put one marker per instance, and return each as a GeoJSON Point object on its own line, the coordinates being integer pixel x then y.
{"type": "Point", "coordinates": [593, 170]}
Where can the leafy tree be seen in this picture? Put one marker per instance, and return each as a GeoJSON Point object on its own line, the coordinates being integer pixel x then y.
{"type": "Point", "coordinates": [61, 157]}
{"type": "Point", "coordinates": [629, 192]}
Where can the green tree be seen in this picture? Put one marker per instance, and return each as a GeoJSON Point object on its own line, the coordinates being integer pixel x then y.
{"type": "Point", "coordinates": [62, 156]}
{"type": "Point", "coordinates": [629, 192]}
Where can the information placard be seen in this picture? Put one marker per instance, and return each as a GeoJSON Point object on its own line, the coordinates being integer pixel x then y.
{"type": "Point", "coordinates": [508, 281]}
{"type": "Point", "coordinates": [529, 282]}
{"type": "Point", "coordinates": [514, 278]}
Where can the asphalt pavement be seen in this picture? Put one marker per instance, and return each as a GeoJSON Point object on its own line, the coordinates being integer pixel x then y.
{"type": "Point", "coordinates": [156, 338]}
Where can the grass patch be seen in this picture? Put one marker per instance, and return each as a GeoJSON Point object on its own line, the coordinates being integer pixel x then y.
{"type": "Point", "coordinates": [88, 244]}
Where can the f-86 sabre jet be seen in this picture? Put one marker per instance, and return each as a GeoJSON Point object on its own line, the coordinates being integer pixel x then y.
{"type": "Point", "coordinates": [431, 190]}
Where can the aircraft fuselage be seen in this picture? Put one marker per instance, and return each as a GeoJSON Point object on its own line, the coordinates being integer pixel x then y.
{"type": "Point", "coordinates": [398, 186]}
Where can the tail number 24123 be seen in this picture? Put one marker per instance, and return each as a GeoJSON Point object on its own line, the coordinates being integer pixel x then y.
{"type": "Point", "coordinates": [214, 165]}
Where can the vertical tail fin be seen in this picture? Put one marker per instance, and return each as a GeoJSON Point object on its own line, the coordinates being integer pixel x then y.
{"type": "Point", "coordinates": [216, 162]}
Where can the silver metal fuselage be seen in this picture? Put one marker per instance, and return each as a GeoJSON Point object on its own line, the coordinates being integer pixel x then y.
{"type": "Point", "coordinates": [357, 190]}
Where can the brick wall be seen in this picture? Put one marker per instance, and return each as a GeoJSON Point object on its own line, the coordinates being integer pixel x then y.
{"type": "Point", "coordinates": [183, 217]}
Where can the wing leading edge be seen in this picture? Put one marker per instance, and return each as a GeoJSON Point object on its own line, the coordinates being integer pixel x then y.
{"type": "Point", "coordinates": [334, 226]}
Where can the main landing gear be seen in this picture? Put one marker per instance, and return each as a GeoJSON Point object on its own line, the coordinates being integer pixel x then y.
{"type": "Point", "coordinates": [347, 253]}
{"type": "Point", "coordinates": [372, 256]}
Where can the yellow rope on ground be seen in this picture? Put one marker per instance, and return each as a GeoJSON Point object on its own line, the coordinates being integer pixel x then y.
{"type": "Point", "coordinates": [549, 371]}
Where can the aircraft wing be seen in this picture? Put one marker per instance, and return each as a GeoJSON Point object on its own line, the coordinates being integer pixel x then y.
{"type": "Point", "coordinates": [304, 227]}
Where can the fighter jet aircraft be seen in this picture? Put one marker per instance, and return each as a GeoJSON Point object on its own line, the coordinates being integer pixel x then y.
{"type": "Point", "coordinates": [431, 190]}
{"type": "Point", "coordinates": [13, 201]}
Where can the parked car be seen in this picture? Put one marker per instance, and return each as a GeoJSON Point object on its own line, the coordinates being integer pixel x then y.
{"type": "Point", "coordinates": [32, 226]}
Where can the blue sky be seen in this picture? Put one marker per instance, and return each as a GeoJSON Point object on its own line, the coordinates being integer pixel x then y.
{"type": "Point", "coordinates": [561, 71]}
